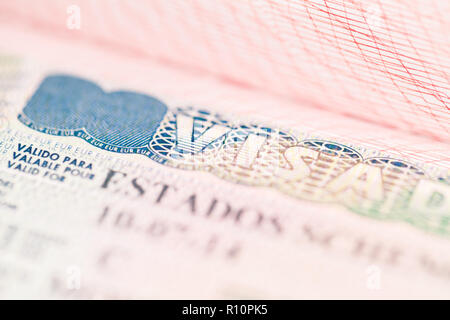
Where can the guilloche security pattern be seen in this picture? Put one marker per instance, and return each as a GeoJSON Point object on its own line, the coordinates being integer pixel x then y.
{"type": "Point", "coordinates": [387, 62]}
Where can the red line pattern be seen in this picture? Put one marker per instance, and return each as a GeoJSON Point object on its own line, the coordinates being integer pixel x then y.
{"type": "Point", "coordinates": [387, 62]}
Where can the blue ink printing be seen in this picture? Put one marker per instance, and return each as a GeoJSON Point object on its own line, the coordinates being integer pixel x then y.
{"type": "Point", "coordinates": [119, 121]}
